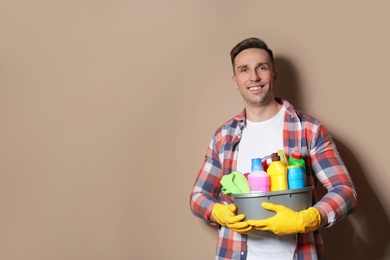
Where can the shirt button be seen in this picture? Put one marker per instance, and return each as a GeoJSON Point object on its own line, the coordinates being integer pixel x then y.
{"type": "Point", "coordinates": [242, 253]}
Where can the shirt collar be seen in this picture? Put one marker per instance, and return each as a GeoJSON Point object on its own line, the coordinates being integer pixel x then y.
{"type": "Point", "coordinates": [289, 109]}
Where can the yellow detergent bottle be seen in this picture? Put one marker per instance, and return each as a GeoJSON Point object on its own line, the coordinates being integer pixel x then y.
{"type": "Point", "coordinates": [278, 174]}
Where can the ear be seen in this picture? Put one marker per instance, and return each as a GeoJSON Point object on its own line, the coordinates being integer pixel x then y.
{"type": "Point", "coordinates": [234, 80]}
{"type": "Point", "coordinates": [275, 76]}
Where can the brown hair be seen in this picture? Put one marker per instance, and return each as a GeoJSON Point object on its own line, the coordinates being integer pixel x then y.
{"type": "Point", "coordinates": [250, 43]}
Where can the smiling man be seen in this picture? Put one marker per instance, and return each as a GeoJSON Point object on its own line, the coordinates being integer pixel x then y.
{"type": "Point", "coordinates": [266, 125]}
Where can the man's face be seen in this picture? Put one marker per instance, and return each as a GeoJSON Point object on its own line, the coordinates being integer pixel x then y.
{"type": "Point", "coordinates": [254, 77]}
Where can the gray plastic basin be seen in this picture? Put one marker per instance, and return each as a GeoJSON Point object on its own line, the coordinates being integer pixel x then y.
{"type": "Point", "coordinates": [250, 203]}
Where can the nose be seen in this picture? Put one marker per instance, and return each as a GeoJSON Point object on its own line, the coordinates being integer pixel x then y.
{"type": "Point", "coordinates": [255, 76]}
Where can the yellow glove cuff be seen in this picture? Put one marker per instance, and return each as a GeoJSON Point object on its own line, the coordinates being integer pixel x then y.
{"type": "Point", "coordinates": [311, 220]}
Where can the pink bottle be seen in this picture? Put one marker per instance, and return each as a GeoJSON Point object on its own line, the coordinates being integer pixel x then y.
{"type": "Point", "coordinates": [258, 179]}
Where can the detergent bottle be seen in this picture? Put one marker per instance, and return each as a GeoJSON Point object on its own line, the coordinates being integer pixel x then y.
{"type": "Point", "coordinates": [295, 177]}
{"type": "Point", "coordinates": [258, 179]}
{"type": "Point", "coordinates": [296, 159]}
{"type": "Point", "coordinates": [278, 173]}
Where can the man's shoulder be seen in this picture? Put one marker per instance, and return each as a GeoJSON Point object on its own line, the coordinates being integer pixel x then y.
{"type": "Point", "coordinates": [234, 121]}
{"type": "Point", "coordinates": [303, 116]}
{"type": "Point", "coordinates": [231, 126]}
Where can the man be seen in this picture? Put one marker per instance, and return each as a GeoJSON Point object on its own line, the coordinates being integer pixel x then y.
{"type": "Point", "coordinates": [266, 125]}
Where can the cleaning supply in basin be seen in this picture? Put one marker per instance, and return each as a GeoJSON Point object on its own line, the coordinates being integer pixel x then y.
{"type": "Point", "coordinates": [296, 159]}
{"type": "Point", "coordinates": [235, 183]}
{"type": "Point", "coordinates": [295, 177]}
{"type": "Point", "coordinates": [283, 157]}
{"type": "Point", "coordinates": [278, 173]}
{"type": "Point", "coordinates": [266, 160]}
{"type": "Point", "coordinates": [258, 179]}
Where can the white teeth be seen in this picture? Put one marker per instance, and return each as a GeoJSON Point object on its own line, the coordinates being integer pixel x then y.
{"type": "Point", "coordinates": [254, 88]}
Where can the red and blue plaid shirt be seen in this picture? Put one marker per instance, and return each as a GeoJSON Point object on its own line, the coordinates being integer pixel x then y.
{"type": "Point", "coordinates": [323, 164]}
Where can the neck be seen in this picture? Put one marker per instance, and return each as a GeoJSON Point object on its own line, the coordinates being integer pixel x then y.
{"type": "Point", "coordinates": [263, 112]}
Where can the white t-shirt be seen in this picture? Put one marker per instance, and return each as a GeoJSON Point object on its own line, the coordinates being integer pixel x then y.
{"type": "Point", "coordinates": [260, 139]}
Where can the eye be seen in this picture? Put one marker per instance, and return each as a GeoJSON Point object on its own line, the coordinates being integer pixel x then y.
{"type": "Point", "coordinates": [263, 68]}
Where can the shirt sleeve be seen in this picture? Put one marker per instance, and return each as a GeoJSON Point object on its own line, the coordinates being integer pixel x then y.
{"type": "Point", "coordinates": [341, 197]}
{"type": "Point", "coordinates": [207, 184]}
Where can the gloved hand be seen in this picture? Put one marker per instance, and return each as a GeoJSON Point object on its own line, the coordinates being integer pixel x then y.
{"type": "Point", "coordinates": [287, 221]}
{"type": "Point", "coordinates": [226, 216]}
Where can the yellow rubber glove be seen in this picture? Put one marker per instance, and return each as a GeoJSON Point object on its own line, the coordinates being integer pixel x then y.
{"type": "Point", "coordinates": [287, 221]}
{"type": "Point", "coordinates": [226, 216]}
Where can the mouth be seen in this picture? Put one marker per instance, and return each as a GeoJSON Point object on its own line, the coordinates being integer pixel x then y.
{"type": "Point", "coordinates": [254, 88]}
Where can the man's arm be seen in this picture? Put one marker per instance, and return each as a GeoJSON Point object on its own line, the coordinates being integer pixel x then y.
{"type": "Point", "coordinates": [207, 185]}
{"type": "Point", "coordinates": [329, 168]}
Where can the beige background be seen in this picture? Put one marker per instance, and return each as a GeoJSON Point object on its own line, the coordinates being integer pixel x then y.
{"type": "Point", "coordinates": [107, 108]}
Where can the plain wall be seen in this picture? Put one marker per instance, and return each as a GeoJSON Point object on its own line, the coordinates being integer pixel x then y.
{"type": "Point", "coordinates": [107, 108]}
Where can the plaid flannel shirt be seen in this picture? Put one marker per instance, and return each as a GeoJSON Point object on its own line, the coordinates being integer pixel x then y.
{"type": "Point", "coordinates": [323, 164]}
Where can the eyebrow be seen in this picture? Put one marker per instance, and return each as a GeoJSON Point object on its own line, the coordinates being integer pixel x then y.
{"type": "Point", "coordinates": [257, 65]}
